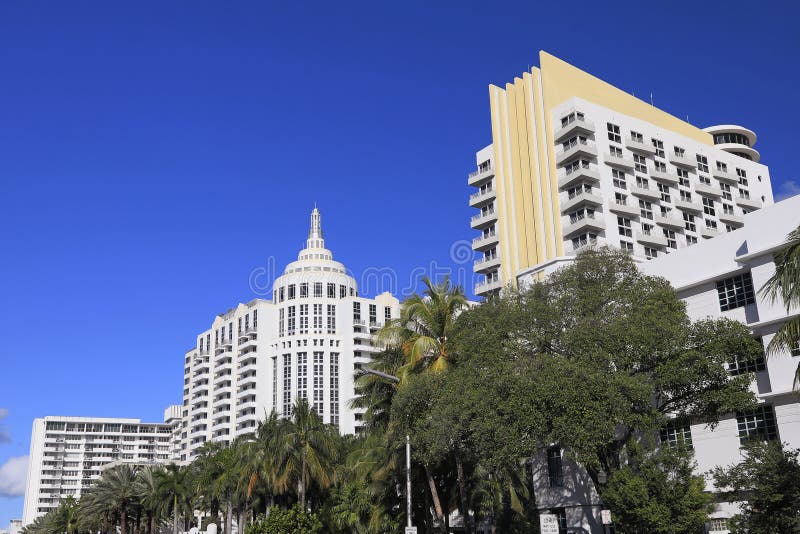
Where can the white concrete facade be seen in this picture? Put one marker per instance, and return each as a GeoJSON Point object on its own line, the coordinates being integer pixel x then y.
{"type": "Point", "coordinates": [68, 453]}
{"type": "Point", "coordinates": [261, 356]}
{"type": "Point", "coordinates": [721, 278]}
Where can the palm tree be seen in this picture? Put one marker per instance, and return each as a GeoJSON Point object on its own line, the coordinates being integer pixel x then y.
{"type": "Point", "coordinates": [173, 483]}
{"type": "Point", "coordinates": [375, 393]}
{"type": "Point", "coordinates": [117, 488]}
{"type": "Point", "coordinates": [424, 325]}
{"type": "Point", "coordinates": [149, 496]}
{"type": "Point", "coordinates": [785, 285]}
{"type": "Point", "coordinates": [422, 332]}
{"type": "Point", "coordinates": [305, 448]}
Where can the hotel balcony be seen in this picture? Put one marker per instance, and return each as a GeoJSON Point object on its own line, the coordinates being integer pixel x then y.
{"type": "Point", "coordinates": [248, 342]}
{"type": "Point", "coordinates": [731, 219]}
{"type": "Point", "coordinates": [581, 174]}
{"type": "Point", "coordinates": [626, 210]}
{"type": "Point", "coordinates": [582, 225]}
{"type": "Point", "coordinates": [646, 193]}
{"type": "Point", "coordinates": [583, 198]}
{"type": "Point", "coordinates": [669, 221]}
{"type": "Point", "coordinates": [479, 199]}
{"type": "Point", "coordinates": [222, 422]}
{"type": "Point", "coordinates": [579, 148]}
{"type": "Point", "coordinates": [476, 178]}
{"type": "Point", "coordinates": [485, 287]}
{"type": "Point", "coordinates": [664, 177]}
{"type": "Point", "coordinates": [748, 203]}
{"type": "Point", "coordinates": [484, 265]}
{"type": "Point", "coordinates": [619, 161]}
{"type": "Point", "coordinates": [705, 189]}
{"type": "Point", "coordinates": [686, 160]}
{"type": "Point", "coordinates": [688, 205]}
{"type": "Point", "coordinates": [247, 364]}
{"type": "Point", "coordinates": [483, 219]}
{"type": "Point", "coordinates": [651, 239]}
{"type": "Point", "coordinates": [639, 146]}
{"type": "Point", "coordinates": [725, 176]}
{"type": "Point", "coordinates": [574, 127]}
{"type": "Point", "coordinates": [485, 241]}
{"type": "Point", "coordinates": [707, 232]}
{"type": "Point", "coordinates": [223, 377]}
{"type": "Point", "coordinates": [221, 391]}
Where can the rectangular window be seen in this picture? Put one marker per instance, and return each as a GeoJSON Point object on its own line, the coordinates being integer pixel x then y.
{"type": "Point", "coordinates": [722, 166]}
{"type": "Point", "coordinates": [739, 366]}
{"type": "Point", "coordinates": [317, 318]}
{"type": "Point", "coordinates": [726, 191]}
{"type": "Point", "coordinates": [676, 433]}
{"type": "Point", "coordinates": [619, 179]}
{"type": "Point", "coordinates": [642, 182]}
{"type": "Point", "coordinates": [302, 376]}
{"type": "Point", "coordinates": [334, 388]}
{"type": "Point", "coordinates": [637, 137]}
{"type": "Point", "coordinates": [650, 253]}
{"type": "Point", "coordinates": [584, 240]}
{"type": "Point", "coordinates": [331, 291]}
{"type": "Point", "coordinates": [317, 289]}
{"type": "Point", "coordinates": [373, 314]}
{"type": "Point", "coordinates": [287, 384]}
{"type": "Point", "coordinates": [691, 240]}
{"type": "Point", "coordinates": [758, 424]}
{"type": "Point", "coordinates": [387, 314]}
{"type": "Point", "coordinates": [685, 196]}
{"type": "Point", "coordinates": [342, 291]}
{"type": "Point", "coordinates": [671, 241]}
{"type": "Point", "coordinates": [555, 468]}
{"type": "Point", "coordinates": [304, 318]}
{"type": "Point", "coordinates": [356, 311]}
{"type": "Point", "coordinates": [624, 227]}
{"type": "Point", "coordinates": [613, 133]}
{"type": "Point", "coordinates": [640, 163]}
{"type": "Point", "coordinates": [615, 151]}
{"type": "Point", "coordinates": [331, 318]}
{"type": "Point", "coordinates": [702, 163]}
{"type": "Point", "coordinates": [290, 292]}
{"type": "Point", "coordinates": [708, 206]}
{"type": "Point", "coordinates": [281, 322]}
{"type": "Point", "coordinates": [646, 209]}
{"type": "Point", "coordinates": [664, 189]}
{"type": "Point", "coordinates": [659, 145]}
{"type": "Point", "coordinates": [688, 222]}
{"type": "Point", "coordinates": [281, 293]}
{"type": "Point", "coordinates": [304, 290]}
{"type": "Point", "coordinates": [625, 246]}
{"type": "Point", "coordinates": [572, 117]}
{"type": "Point", "coordinates": [318, 382]}
{"type": "Point", "coordinates": [660, 166]}
{"type": "Point", "coordinates": [290, 321]}
{"type": "Point", "coordinates": [735, 292]}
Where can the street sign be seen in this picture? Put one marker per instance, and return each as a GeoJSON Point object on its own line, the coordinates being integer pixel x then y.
{"type": "Point", "coordinates": [548, 524]}
{"type": "Point", "coordinates": [605, 515]}
{"type": "Point", "coordinates": [411, 530]}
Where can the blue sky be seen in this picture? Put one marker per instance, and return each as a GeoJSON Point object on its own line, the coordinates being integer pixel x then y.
{"type": "Point", "coordinates": [154, 155]}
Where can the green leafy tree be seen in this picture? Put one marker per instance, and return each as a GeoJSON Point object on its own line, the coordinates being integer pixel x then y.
{"type": "Point", "coordinates": [659, 493]}
{"type": "Point", "coordinates": [174, 483]}
{"type": "Point", "coordinates": [767, 482]}
{"type": "Point", "coordinates": [295, 520]}
{"type": "Point", "coordinates": [784, 285]}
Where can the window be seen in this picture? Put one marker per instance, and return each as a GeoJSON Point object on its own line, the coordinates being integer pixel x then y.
{"type": "Point", "coordinates": [280, 294]}
{"type": "Point", "coordinates": [619, 179]}
{"type": "Point", "coordinates": [744, 193]}
{"type": "Point", "coordinates": [708, 206]}
{"type": "Point", "coordinates": [640, 163]}
{"type": "Point", "coordinates": [624, 227]}
{"type": "Point", "coordinates": [387, 314]}
{"type": "Point", "coordinates": [646, 209]}
{"type": "Point", "coordinates": [757, 424]}
{"type": "Point", "coordinates": [727, 209]}
{"type": "Point", "coordinates": [642, 182]}
{"type": "Point", "coordinates": [650, 253]}
{"type": "Point", "coordinates": [621, 199]}
{"type": "Point", "coordinates": [317, 289]}
{"type": "Point", "coordinates": [685, 195]}
{"type": "Point", "coordinates": [304, 318]}
{"type": "Point", "coordinates": [704, 179]}
{"type": "Point", "coordinates": [290, 321]}
{"type": "Point", "coordinates": [331, 318]}
{"type": "Point", "coordinates": [726, 191]}
{"type": "Point", "coordinates": [680, 152]}
{"type": "Point", "coordinates": [561, 515]}
{"type": "Point", "coordinates": [722, 166]}
{"type": "Point", "coordinates": [688, 222]}
{"type": "Point", "coordinates": [702, 163]}
{"type": "Point", "coordinates": [625, 246]}
{"type": "Point", "coordinates": [580, 214]}
{"type": "Point", "coordinates": [740, 366]}
{"type": "Point", "coordinates": [280, 322]}
{"type": "Point", "coordinates": [615, 151]}
{"type": "Point", "coordinates": [342, 291]}
{"type": "Point", "coordinates": [318, 382]}
{"type": "Point", "coordinates": [742, 174]}
{"type": "Point", "coordinates": [290, 292]}
{"type": "Point", "coordinates": [572, 192]}
{"type": "Point", "coordinates": [613, 133]}
{"type": "Point", "coordinates": [576, 166]}
{"type": "Point", "coordinates": [676, 433]}
{"type": "Point", "coordinates": [304, 290]}
{"type": "Point", "coordinates": [302, 376]}
{"type": "Point", "coordinates": [710, 223]}
{"type": "Point", "coordinates": [317, 318]}
{"type": "Point", "coordinates": [718, 523]}
{"type": "Point", "coordinates": [735, 292]}
{"type": "Point", "coordinates": [691, 240]}
{"type": "Point", "coordinates": [660, 166]}
{"type": "Point", "coordinates": [555, 468]}
{"type": "Point", "coordinates": [659, 147]}
{"type": "Point", "coordinates": [683, 177]}
{"type": "Point", "coordinates": [356, 311]}
{"type": "Point", "coordinates": [637, 137]}
{"type": "Point", "coordinates": [572, 117]}
{"type": "Point", "coordinates": [573, 141]}
{"type": "Point", "coordinates": [287, 384]}
{"type": "Point", "coordinates": [670, 235]}
{"type": "Point", "coordinates": [664, 190]}
{"type": "Point", "coordinates": [331, 291]}
{"type": "Point", "coordinates": [334, 388]}
{"type": "Point", "coordinates": [584, 240]}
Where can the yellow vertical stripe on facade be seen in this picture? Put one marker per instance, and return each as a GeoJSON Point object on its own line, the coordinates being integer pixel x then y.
{"type": "Point", "coordinates": [522, 205]}
{"type": "Point", "coordinates": [514, 179]}
{"type": "Point", "coordinates": [551, 233]}
{"type": "Point", "coordinates": [497, 99]}
{"type": "Point", "coordinates": [534, 222]}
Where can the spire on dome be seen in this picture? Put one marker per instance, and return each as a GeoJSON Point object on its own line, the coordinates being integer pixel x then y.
{"type": "Point", "coordinates": [315, 239]}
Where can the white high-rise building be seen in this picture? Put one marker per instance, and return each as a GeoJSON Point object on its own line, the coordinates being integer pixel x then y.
{"type": "Point", "coordinates": [261, 356]}
{"type": "Point", "coordinates": [68, 453]}
{"type": "Point", "coordinates": [575, 161]}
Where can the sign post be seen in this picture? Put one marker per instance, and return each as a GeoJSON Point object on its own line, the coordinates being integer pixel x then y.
{"type": "Point", "coordinates": [548, 524]}
{"type": "Point", "coordinates": [411, 530]}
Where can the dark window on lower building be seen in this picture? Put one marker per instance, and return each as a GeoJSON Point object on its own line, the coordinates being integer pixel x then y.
{"type": "Point", "coordinates": [758, 424]}
{"type": "Point", "coordinates": [555, 468]}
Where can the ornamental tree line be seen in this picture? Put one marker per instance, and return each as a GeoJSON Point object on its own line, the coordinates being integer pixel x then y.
{"type": "Point", "coordinates": [595, 360]}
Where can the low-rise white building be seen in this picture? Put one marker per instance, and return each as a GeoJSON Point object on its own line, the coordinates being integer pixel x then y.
{"type": "Point", "coordinates": [306, 342]}
{"type": "Point", "coordinates": [68, 453]}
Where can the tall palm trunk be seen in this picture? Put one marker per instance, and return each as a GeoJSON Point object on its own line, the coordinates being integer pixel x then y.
{"type": "Point", "coordinates": [303, 483]}
{"type": "Point", "coordinates": [123, 520]}
{"type": "Point", "coordinates": [462, 494]}
{"type": "Point", "coordinates": [105, 522]}
{"type": "Point", "coordinates": [153, 523]}
{"type": "Point", "coordinates": [437, 505]}
{"type": "Point", "coordinates": [228, 516]}
{"type": "Point", "coordinates": [175, 514]}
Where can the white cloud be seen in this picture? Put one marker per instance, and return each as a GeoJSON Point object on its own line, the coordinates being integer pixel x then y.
{"type": "Point", "coordinates": [788, 188]}
{"type": "Point", "coordinates": [13, 475]}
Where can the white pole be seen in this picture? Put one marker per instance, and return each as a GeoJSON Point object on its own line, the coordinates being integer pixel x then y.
{"type": "Point", "coordinates": [408, 480]}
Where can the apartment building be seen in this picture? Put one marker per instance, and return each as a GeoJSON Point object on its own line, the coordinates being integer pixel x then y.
{"type": "Point", "coordinates": [575, 161]}
{"type": "Point", "coordinates": [304, 343]}
{"type": "Point", "coordinates": [721, 278]}
{"type": "Point", "coordinates": [68, 453]}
